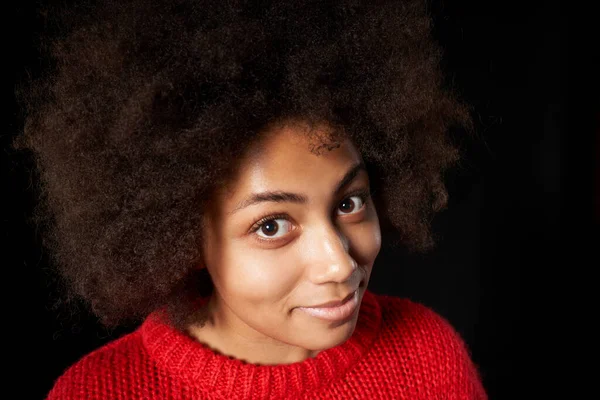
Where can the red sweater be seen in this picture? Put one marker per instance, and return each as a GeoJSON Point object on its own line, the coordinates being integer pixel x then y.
{"type": "Point", "coordinates": [399, 350]}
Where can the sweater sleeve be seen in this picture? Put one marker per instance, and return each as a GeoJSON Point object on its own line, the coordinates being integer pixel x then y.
{"type": "Point", "coordinates": [73, 385]}
{"type": "Point", "coordinates": [457, 376]}
{"type": "Point", "coordinates": [433, 359]}
{"type": "Point", "coordinates": [110, 372]}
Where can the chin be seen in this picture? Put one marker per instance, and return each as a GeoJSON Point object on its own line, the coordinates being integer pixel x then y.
{"type": "Point", "coordinates": [333, 337]}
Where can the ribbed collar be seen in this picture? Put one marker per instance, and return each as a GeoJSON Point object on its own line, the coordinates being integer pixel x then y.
{"type": "Point", "coordinates": [200, 367]}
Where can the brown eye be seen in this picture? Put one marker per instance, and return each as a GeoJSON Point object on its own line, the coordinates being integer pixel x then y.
{"type": "Point", "coordinates": [273, 228]}
{"type": "Point", "coordinates": [269, 228]}
{"type": "Point", "coordinates": [349, 205]}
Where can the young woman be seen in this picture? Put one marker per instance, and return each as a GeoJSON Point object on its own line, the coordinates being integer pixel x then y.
{"type": "Point", "coordinates": [222, 171]}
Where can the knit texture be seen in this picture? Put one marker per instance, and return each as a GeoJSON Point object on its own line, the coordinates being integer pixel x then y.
{"type": "Point", "coordinates": [399, 350]}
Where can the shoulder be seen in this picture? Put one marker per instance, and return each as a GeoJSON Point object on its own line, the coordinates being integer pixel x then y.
{"type": "Point", "coordinates": [415, 319]}
{"type": "Point", "coordinates": [421, 326]}
{"type": "Point", "coordinates": [427, 341]}
{"type": "Point", "coordinates": [103, 372]}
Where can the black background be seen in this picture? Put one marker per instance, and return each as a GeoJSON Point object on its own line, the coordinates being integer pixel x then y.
{"type": "Point", "coordinates": [513, 268]}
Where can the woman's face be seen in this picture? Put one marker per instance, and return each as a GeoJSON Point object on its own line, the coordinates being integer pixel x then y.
{"type": "Point", "coordinates": [293, 229]}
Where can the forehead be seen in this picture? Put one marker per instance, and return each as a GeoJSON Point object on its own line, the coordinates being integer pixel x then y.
{"type": "Point", "coordinates": [285, 159]}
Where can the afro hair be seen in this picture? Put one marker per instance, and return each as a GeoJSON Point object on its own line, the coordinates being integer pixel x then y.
{"type": "Point", "coordinates": [146, 106]}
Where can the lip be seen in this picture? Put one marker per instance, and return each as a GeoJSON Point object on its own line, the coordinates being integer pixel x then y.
{"type": "Point", "coordinates": [334, 310]}
{"type": "Point", "coordinates": [335, 303]}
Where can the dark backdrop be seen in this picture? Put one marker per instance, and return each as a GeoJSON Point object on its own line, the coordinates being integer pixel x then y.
{"type": "Point", "coordinates": [514, 241]}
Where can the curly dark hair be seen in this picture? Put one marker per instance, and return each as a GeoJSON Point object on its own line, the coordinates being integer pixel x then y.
{"type": "Point", "coordinates": [147, 105]}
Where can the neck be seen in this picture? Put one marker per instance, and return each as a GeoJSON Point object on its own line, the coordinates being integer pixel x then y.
{"type": "Point", "coordinates": [197, 366]}
{"type": "Point", "coordinates": [233, 338]}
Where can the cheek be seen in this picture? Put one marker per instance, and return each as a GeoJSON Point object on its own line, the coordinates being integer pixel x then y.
{"type": "Point", "coordinates": [366, 241]}
{"type": "Point", "coordinates": [258, 274]}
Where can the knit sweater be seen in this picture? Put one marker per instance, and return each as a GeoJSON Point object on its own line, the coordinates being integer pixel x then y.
{"type": "Point", "coordinates": [399, 350]}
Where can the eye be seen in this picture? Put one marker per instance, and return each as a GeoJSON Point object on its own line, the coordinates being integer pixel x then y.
{"type": "Point", "coordinates": [273, 228]}
{"type": "Point", "coordinates": [352, 204]}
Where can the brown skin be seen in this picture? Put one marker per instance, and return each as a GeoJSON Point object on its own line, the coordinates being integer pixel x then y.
{"type": "Point", "coordinates": [319, 251]}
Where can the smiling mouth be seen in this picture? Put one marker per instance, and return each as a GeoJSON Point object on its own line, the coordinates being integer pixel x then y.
{"type": "Point", "coordinates": [335, 313]}
{"type": "Point", "coordinates": [334, 303]}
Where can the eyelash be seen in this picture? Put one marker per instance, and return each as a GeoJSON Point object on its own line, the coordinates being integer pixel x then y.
{"type": "Point", "coordinates": [364, 195]}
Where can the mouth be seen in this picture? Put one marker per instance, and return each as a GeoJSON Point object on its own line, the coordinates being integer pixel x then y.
{"type": "Point", "coordinates": [335, 303]}
{"type": "Point", "coordinates": [339, 311]}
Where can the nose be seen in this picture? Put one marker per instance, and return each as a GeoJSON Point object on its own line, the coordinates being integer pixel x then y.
{"type": "Point", "coordinates": [331, 261]}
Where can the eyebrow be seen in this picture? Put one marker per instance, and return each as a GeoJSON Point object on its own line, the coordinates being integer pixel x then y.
{"type": "Point", "coordinates": [283, 197]}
